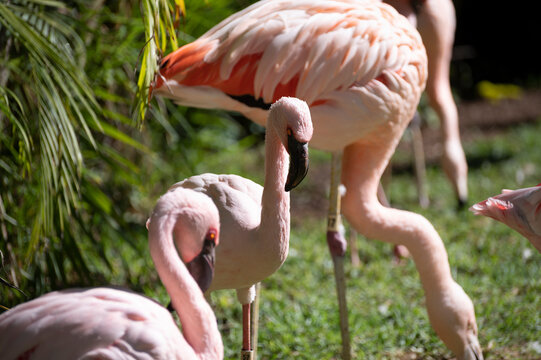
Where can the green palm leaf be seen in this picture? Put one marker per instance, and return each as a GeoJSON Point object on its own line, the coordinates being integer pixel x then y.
{"type": "Point", "coordinates": [60, 142]}
{"type": "Point", "coordinates": [55, 86]}
{"type": "Point", "coordinates": [160, 19]}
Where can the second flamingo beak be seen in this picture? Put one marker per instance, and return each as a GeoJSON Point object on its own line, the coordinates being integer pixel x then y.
{"type": "Point", "coordinates": [202, 266]}
{"type": "Point", "coordinates": [298, 161]}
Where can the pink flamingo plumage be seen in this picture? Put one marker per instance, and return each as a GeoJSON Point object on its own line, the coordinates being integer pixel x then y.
{"type": "Point", "coordinates": [255, 220]}
{"type": "Point", "coordinates": [436, 22]}
{"type": "Point", "coordinates": [361, 67]}
{"type": "Point", "coordinates": [519, 209]}
{"type": "Point", "coordinates": [107, 323]}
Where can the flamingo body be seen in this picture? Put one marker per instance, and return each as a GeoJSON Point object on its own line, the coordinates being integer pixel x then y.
{"type": "Point", "coordinates": [106, 323]}
{"type": "Point", "coordinates": [519, 209]}
{"type": "Point", "coordinates": [255, 220]}
{"type": "Point", "coordinates": [361, 67]}
{"type": "Point", "coordinates": [356, 63]}
{"type": "Point", "coordinates": [112, 322]}
{"type": "Point", "coordinates": [239, 202]}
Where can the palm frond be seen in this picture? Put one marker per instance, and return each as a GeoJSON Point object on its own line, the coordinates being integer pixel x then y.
{"type": "Point", "coordinates": [11, 107]}
{"type": "Point", "coordinates": [160, 20]}
{"type": "Point", "coordinates": [64, 103]}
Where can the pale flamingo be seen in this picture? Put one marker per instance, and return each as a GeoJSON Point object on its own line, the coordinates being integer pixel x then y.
{"type": "Point", "coordinates": [436, 22]}
{"type": "Point", "coordinates": [519, 209]}
{"type": "Point", "coordinates": [106, 323]}
{"type": "Point", "coordinates": [361, 67]}
{"type": "Point", "coordinates": [254, 219]}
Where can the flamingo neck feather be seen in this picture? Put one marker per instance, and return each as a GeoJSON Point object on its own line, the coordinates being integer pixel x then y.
{"type": "Point", "coordinates": [274, 227]}
{"type": "Point", "coordinates": [196, 316]}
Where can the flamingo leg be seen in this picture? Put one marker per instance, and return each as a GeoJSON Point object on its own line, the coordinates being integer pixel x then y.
{"type": "Point", "coordinates": [436, 23]}
{"type": "Point", "coordinates": [352, 241]}
{"type": "Point", "coordinates": [246, 352]}
{"type": "Point", "coordinates": [419, 160]}
{"type": "Point", "coordinates": [255, 319]}
{"type": "Point", "coordinates": [337, 246]}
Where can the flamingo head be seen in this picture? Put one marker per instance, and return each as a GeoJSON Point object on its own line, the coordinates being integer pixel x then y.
{"type": "Point", "coordinates": [519, 209]}
{"type": "Point", "coordinates": [293, 123]}
{"type": "Point", "coordinates": [195, 231]}
{"type": "Point", "coordinates": [196, 236]}
{"type": "Point", "coordinates": [201, 267]}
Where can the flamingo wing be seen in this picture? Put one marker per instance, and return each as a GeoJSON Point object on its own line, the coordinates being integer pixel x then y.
{"type": "Point", "coordinates": [238, 199]}
{"type": "Point", "coordinates": [306, 49]}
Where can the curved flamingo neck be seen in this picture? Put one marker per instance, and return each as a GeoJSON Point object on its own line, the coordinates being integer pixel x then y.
{"type": "Point", "coordinates": [274, 227]}
{"type": "Point", "coordinates": [199, 326]}
{"type": "Point", "coordinates": [361, 173]}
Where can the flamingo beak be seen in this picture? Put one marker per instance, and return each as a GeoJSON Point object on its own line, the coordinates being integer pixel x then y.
{"type": "Point", "coordinates": [298, 162]}
{"type": "Point", "coordinates": [202, 266]}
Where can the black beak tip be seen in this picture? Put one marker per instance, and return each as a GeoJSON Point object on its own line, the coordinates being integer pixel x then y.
{"type": "Point", "coordinates": [294, 181]}
{"type": "Point", "coordinates": [298, 165]}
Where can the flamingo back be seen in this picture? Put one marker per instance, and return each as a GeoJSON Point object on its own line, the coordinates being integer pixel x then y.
{"type": "Point", "coordinates": [358, 64]}
{"type": "Point", "coordinates": [99, 323]}
{"type": "Point", "coordinates": [239, 202]}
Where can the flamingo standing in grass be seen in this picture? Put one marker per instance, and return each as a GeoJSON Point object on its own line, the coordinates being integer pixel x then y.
{"type": "Point", "coordinates": [255, 219]}
{"type": "Point", "coordinates": [361, 67]}
{"type": "Point", "coordinates": [519, 209]}
{"type": "Point", "coordinates": [104, 323]}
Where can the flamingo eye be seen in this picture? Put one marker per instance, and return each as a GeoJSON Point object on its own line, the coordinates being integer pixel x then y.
{"type": "Point", "coordinates": [212, 235]}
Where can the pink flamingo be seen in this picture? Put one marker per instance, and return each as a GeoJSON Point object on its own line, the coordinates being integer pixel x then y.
{"type": "Point", "coordinates": [519, 209]}
{"type": "Point", "coordinates": [436, 22]}
{"type": "Point", "coordinates": [106, 323]}
{"type": "Point", "coordinates": [255, 219]}
{"type": "Point", "coordinates": [361, 67]}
